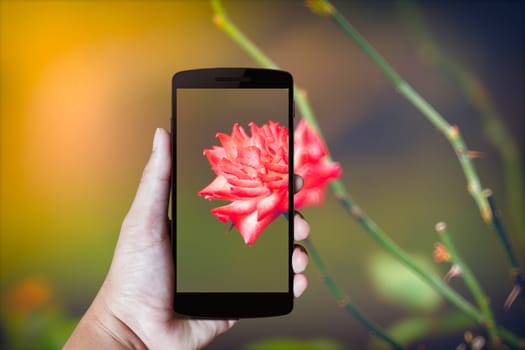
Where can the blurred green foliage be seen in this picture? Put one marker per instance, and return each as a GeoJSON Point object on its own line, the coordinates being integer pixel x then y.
{"type": "Point", "coordinates": [397, 285]}
{"type": "Point", "coordinates": [295, 344]}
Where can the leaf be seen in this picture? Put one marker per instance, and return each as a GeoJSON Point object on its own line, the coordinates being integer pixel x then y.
{"type": "Point", "coordinates": [296, 344]}
{"type": "Point", "coordinates": [396, 284]}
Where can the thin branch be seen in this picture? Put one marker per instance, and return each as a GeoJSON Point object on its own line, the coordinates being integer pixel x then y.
{"type": "Point", "coordinates": [472, 283]}
{"type": "Point", "coordinates": [515, 271]}
{"type": "Point", "coordinates": [451, 132]}
{"type": "Point", "coordinates": [474, 92]}
{"type": "Point", "coordinates": [344, 301]}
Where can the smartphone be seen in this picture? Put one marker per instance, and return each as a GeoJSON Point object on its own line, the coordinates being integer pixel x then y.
{"type": "Point", "coordinates": [232, 192]}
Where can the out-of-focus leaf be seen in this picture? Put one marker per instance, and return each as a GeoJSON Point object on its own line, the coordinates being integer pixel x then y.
{"type": "Point", "coordinates": [396, 284]}
{"type": "Point", "coordinates": [295, 344]}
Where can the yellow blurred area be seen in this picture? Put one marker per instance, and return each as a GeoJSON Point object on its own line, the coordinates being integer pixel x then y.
{"type": "Point", "coordinates": [69, 73]}
{"type": "Point", "coordinates": [83, 85]}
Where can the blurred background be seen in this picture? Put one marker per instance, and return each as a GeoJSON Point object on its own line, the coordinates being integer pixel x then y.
{"type": "Point", "coordinates": [84, 84]}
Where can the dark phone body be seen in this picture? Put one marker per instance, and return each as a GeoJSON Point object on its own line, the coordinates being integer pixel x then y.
{"type": "Point", "coordinates": [216, 274]}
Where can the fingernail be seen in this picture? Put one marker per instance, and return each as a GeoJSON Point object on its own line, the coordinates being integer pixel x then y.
{"type": "Point", "coordinates": [298, 183]}
{"type": "Point", "coordinates": [156, 139]}
{"type": "Point", "coordinates": [299, 213]}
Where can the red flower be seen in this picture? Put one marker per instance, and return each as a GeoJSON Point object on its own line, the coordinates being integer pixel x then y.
{"type": "Point", "coordinates": [252, 173]}
{"type": "Point", "coordinates": [312, 164]}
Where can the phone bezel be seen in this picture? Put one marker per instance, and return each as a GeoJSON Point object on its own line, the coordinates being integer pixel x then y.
{"type": "Point", "coordinates": [239, 304]}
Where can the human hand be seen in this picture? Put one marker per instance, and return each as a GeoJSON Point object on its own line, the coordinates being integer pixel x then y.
{"type": "Point", "coordinates": [134, 307]}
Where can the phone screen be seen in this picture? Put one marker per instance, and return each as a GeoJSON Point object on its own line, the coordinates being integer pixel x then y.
{"type": "Point", "coordinates": [212, 256]}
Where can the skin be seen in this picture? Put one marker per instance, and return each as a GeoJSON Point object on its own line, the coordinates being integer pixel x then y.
{"type": "Point", "coordinates": [133, 308]}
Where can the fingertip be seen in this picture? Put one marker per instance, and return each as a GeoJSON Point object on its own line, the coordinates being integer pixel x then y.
{"type": "Point", "coordinates": [301, 228]}
{"type": "Point", "coordinates": [298, 183]}
{"type": "Point", "coordinates": [161, 141]}
{"type": "Point", "coordinates": [300, 282]}
{"type": "Point", "coordinates": [299, 260]}
{"type": "Point", "coordinates": [159, 164]}
{"type": "Point", "coordinates": [156, 139]}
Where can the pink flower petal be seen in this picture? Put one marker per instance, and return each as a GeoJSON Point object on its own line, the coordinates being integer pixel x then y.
{"type": "Point", "coordinates": [249, 192]}
{"type": "Point", "coordinates": [236, 208]}
{"type": "Point", "coordinates": [217, 189]}
{"type": "Point", "coordinates": [267, 206]}
{"type": "Point", "coordinates": [243, 183]}
{"type": "Point", "coordinates": [251, 228]}
{"type": "Point", "coordinates": [278, 168]}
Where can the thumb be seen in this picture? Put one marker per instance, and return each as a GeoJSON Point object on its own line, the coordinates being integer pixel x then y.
{"type": "Point", "coordinates": [149, 210]}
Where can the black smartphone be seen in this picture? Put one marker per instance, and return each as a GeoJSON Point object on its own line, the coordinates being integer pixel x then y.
{"type": "Point", "coordinates": [232, 192]}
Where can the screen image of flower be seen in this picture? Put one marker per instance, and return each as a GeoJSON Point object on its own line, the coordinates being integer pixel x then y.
{"type": "Point", "coordinates": [252, 173]}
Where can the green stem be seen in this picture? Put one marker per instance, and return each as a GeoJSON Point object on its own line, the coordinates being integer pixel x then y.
{"type": "Point", "coordinates": [450, 132]}
{"type": "Point", "coordinates": [476, 93]}
{"type": "Point", "coordinates": [505, 242]}
{"type": "Point", "coordinates": [413, 328]}
{"type": "Point", "coordinates": [344, 301]}
{"type": "Point", "coordinates": [511, 338]}
{"type": "Point", "coordinates": [472, 283]}
{"type": "Point", "coordinates": [222, 21]}
{"type": "Point", "coordinates": [389, 245]}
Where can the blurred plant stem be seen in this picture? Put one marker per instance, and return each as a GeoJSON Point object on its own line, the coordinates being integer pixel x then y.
{"type": "Point", "coordinates": [475, 92]}
{"type": "Point", "coordinates": [472, 283]}
{"type": "Point", "coordinates": [343, 300]}
{"type": "Point", "coordinates": [410, 329]}
{"type": "Point", "coordinates": [515, 271]}
{"type": "Point", "coordinates": [451, 132]}
{"type": "Point", "coordinates": [494, 127]}
{"type": "Point", "coordinates": [222, 20]}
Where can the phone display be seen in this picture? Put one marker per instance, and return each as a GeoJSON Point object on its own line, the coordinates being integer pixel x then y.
{"type": "Point", "coordinates": [232, 180]}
